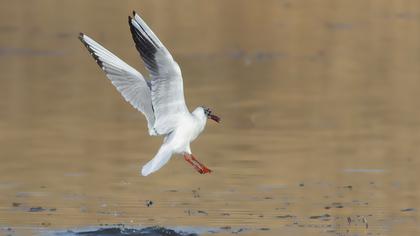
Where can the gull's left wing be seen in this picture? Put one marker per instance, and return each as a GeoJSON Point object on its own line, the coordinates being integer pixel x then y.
{"type": "Point", "coordinates": [166, 85]}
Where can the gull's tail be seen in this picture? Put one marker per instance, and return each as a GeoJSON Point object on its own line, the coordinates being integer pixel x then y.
{"type": "Point", "coordinates": [161, 158]}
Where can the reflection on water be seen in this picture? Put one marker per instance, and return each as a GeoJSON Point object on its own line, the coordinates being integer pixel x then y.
{"type": "Point", "coordinates": [319, 102]}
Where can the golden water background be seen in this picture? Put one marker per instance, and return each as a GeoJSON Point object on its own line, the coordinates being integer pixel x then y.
{"type": "Point", "coordinates": [320, 102]}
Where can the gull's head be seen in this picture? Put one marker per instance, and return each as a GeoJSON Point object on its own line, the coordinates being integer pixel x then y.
{"type": "Point", "coordinates": [209, 114]}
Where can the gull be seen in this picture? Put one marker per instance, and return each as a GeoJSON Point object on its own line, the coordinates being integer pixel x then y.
{"type": "Point", "coordinates": [160, 98]}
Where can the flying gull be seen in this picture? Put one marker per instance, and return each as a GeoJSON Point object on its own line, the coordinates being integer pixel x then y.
{"type": "Point", "coordinates": [160, 98]}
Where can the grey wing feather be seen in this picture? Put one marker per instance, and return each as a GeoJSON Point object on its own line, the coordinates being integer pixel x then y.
{"type": "Point", "coordinates": [128, 81]}
{"type": "Point", "coordinates": [166, 86]}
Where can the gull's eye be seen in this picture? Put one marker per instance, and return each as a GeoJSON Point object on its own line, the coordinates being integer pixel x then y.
{"type": "Point", "coordinates": [207, 111]}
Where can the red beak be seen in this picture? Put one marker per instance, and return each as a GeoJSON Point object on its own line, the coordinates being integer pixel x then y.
{"type": "Point", "coordinates": [215, 118]}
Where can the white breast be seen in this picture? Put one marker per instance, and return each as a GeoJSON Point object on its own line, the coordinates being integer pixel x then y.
{"type": "Point", "coordinates": [187, 131]}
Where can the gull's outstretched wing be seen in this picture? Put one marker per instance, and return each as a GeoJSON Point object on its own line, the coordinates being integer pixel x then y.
{"type": "Point", "coordinates": [166, 86]}
{"type": "Point", "coordinates": [128, 81]}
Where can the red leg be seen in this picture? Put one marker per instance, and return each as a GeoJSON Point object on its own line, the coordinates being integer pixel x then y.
{"type": "Point", "coordinates": [197, 165]}
{"type": "Point", "coordinates": [203, 167]}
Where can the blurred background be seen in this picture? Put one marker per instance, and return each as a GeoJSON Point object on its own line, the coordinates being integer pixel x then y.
{"type": "Point", "coordinates": [319, 101]}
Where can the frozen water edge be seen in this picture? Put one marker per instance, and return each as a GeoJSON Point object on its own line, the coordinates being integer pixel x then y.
{"type": "Point", "coordinates": [117, 230]}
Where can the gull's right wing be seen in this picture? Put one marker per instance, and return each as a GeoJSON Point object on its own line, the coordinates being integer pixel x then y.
{"type": "Point", "coordinates": [128, 81]}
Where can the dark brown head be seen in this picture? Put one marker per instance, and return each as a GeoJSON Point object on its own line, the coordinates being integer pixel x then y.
{"type": "Point", "coordinates": [210, 114]}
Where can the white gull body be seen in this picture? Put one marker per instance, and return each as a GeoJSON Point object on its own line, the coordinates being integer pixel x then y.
{"type": "Point", "coordinates": [160, 99]}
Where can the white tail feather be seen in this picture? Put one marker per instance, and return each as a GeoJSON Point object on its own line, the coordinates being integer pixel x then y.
{"type": "Point", "coordinates": [161, 158]}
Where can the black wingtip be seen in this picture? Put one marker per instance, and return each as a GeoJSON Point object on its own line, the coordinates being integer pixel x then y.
{"type": "Point", "coordinates": [95, 57]}
{"type": "Point", "coordinates": [134, 13]}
